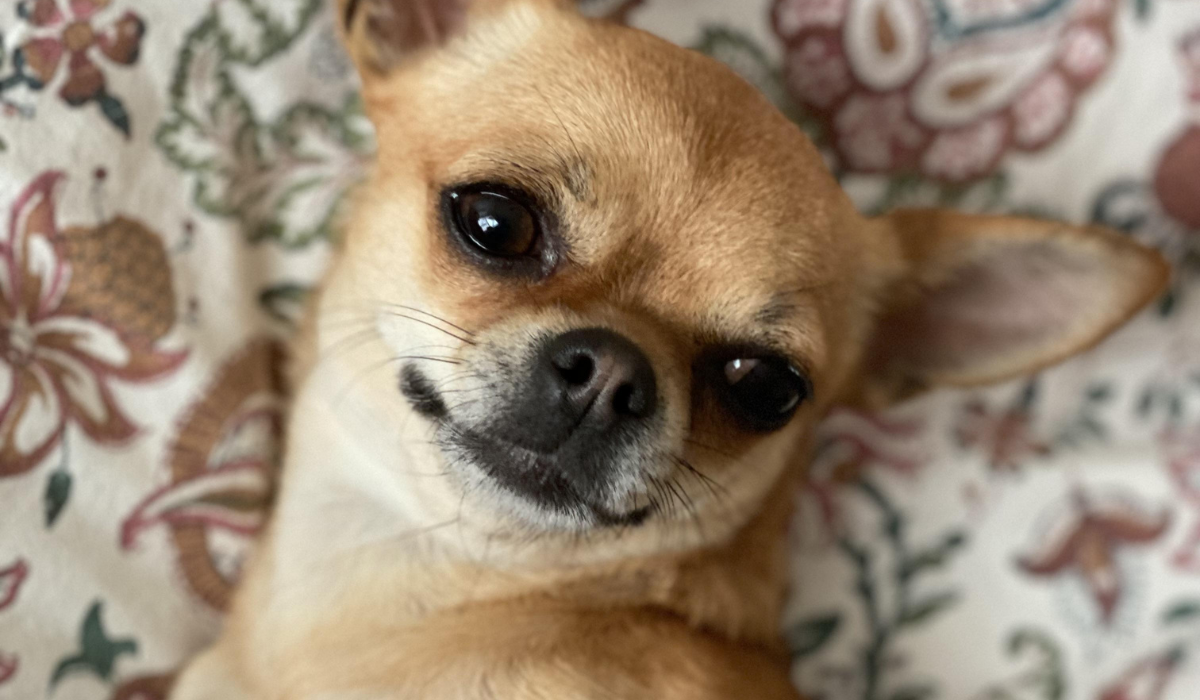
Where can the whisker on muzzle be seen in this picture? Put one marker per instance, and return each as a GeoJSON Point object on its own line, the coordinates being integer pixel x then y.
{"type": "Point", "coordinates": [405, 311]}
{"type": "Point", "coordinates": [376, 366]}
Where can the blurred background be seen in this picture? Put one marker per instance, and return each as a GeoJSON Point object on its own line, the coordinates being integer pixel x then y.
{"type": "Point", "coordinates": [169, 172]}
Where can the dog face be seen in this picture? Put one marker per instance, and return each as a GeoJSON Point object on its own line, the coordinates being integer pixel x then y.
{"type": "Point", "coordinates": [613, 288]}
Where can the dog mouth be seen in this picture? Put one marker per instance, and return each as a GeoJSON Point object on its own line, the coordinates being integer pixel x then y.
{"type": "Point", "coordinates": [539, 478]}
{"type": "Point", "coordinates": [535, 476]}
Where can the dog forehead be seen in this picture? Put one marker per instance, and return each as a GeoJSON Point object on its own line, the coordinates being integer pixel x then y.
{"type": "Point", "coordinates": [662, 148]}
{"type": "Point", "coordinates": [683, 185]}
{"type": "Point", "coordinates": [630, 103]}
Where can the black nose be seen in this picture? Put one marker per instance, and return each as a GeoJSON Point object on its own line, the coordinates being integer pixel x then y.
{"type": "Point", "coordinates": [588, 384]}
{"type": "Point", "coordinates": [602, 378]}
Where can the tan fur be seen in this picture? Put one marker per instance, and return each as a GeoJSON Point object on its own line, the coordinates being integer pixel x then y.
{"type": "Point", "coordinates": [690, 207]}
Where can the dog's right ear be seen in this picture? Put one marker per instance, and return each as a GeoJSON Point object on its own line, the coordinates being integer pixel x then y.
{"type": "Point", "coordinates": [382, 35]}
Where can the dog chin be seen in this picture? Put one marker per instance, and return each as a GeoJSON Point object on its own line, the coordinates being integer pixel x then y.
{"type": "Point", "coordinates": [536, 483]}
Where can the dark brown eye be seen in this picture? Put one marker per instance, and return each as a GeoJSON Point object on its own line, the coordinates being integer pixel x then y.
{"type": "Point", "coordinates": [761, 392]}
{"type": "Point", "coordinates": [495, 223]}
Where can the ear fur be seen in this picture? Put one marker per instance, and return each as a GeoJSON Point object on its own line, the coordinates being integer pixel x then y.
{"type": "Point", "coordinates": [981, 299]}
{"type": "Point", "coordinates": [383, 34]}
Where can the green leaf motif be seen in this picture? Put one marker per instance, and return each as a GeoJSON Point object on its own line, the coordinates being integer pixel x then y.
{"type": "Point", "coordinates": [913, 692]}
{"type": "Point", "coordinates": [58, 492]}
{"type": "Point", "coordinates": [1184, 611]}
{"type": "Point", "coordinates": [114, 111]}
{"type": "Point", "coordinates": [279, 181]}
{"type": "Point", "coordinates": [98, 652]}
{"type": "Point", "coordinates": [918, 613]}
{"type": "Point", "coordinates": [1168, 302]}
{"type": "Point", "coordinates": [285, 302]}
{"type": "Point", "coordinates": [809, 636]}
{"type": "Point", "coordinates": [936, 556]}
{"type": "Point", "coordinates": [255, 31]}
{"type": "Point", "coordinates": [908, 190]}
{"type": "Point", "coordinates": [1043, 678]}
{"type": "Point", "coordinates": [1051, 678]}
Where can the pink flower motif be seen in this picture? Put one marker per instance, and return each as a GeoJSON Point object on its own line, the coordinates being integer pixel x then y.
{"type": "Point", "coordinates": [1088, 546]}
{"type": "Point", "coordinates": [793, 17]}
{"type": "Point", "coordinates": [822, 75]}
{"type": "Point", "coordinates": [951, 86]}
{"type": "Point", "coordinates": [1148, 679]}
{"type": "Point", "coordinates": [1182, 450]}
{"type": "Point", "coordinates": [876, 133]}
{"type": "Point", "coordinates": [8, 667]}
{"type": "Point", "coordinates": [1005, 436]}
{"type": "Point", "coordinates": [966, 153]}
{"type": "Point", "coordinates": [1085, 53]}
{"type": "Point", "coordinates": [11, 579]}
{"type": "Point", "coordinates": [56, 357]}
{"type": "Point", "coordinates": [72, 41]}
{"type": "Point", "coordinates": [1042, 111]}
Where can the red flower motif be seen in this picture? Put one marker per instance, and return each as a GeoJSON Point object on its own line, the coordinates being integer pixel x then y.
{"type": "Point", "coordinates": [1089, 548]}
{"type": "Point", "coordinates": [1147, 679]}
{"type": "Point", "coordinates": [8, 667]}
{"type": "Point", "coordinates": [1176, 178]}
{"type": "Point", "coordinates": [223, 463]}
{"type": "Point", "coordinates": [11, 579]}
{"type": "Point", "coordinates": [72, 41]}
{"type": "Point", "coordinates": [1182, 448]}
{"type": "Point", "coordinates": [1006, 436]}
{"type": "Point", "coordinates": [56, 356]}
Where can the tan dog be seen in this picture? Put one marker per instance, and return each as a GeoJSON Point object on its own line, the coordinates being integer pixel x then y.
{"type": "Point", "coordinates": [562, 377]}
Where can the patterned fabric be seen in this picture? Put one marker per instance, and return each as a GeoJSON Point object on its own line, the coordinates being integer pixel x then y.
{"type": "Point", "coordinates": [168, 173]}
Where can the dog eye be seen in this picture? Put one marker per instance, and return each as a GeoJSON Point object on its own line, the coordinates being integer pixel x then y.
{"type": "Point", "coordinates": [495, 223]}
{"type": "Point", "coordinates": [762, 392]}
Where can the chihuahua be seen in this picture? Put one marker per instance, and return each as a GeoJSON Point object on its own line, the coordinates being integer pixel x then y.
{"type": "Point", "coordinates": [556, 392]}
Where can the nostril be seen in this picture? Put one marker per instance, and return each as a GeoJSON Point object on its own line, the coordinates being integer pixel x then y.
{"type": "Point", "coordinates": [577, 370]}
{"type": "Point", "coordinates": [629, 401]}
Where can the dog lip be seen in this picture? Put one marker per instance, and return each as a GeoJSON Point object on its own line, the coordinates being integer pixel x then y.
{"type": "Point", "coordinates": [632, 518]}
{"type": "Point", "coordinates": [421, 394]}
{"type": "Point", "coordinates": [550, 490]}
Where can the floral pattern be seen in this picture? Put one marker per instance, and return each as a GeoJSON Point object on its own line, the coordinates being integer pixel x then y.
{"type": "Point", "coordinates": [1033, 541]}
{"type": "Point", "coordinates": [1006, 437]}
{"type": "Point", "coordinates": [943, 88]}
{"type": "Point", "coordinates": [222, 464]}
{"type": "Point", "coordinates": [58, 358]}
{"type": "Point", "coordinates": [1094, 535]}
{"type": "Point", "coordinates": [69, 43]}
{"type": "Point", "coordinates": [12, 578]}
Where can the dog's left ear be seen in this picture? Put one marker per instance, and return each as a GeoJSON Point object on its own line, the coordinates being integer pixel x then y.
{"type": "Point", "coordinates": [980, 299]}
{"type": "Point", "coordinates": [382, 35]}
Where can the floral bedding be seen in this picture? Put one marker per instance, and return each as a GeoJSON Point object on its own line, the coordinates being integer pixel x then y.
{"type": "Point", "coordinates": [168, 175]}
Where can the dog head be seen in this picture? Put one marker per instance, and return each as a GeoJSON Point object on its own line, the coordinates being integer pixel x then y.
{"type": "Point", "coordinates": [613, 288]}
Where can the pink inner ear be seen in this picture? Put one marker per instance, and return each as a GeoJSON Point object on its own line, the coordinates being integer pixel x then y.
{"type": "Point", "coordinates": [408, 25]}
{"type": "Point", "coordinates": [1014, 301]}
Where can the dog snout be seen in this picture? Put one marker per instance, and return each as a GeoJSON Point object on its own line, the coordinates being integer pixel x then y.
{"type": "Point", "coordinates": [589, 381]}
{"type": "Point", "coordinates": [602, 378]}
